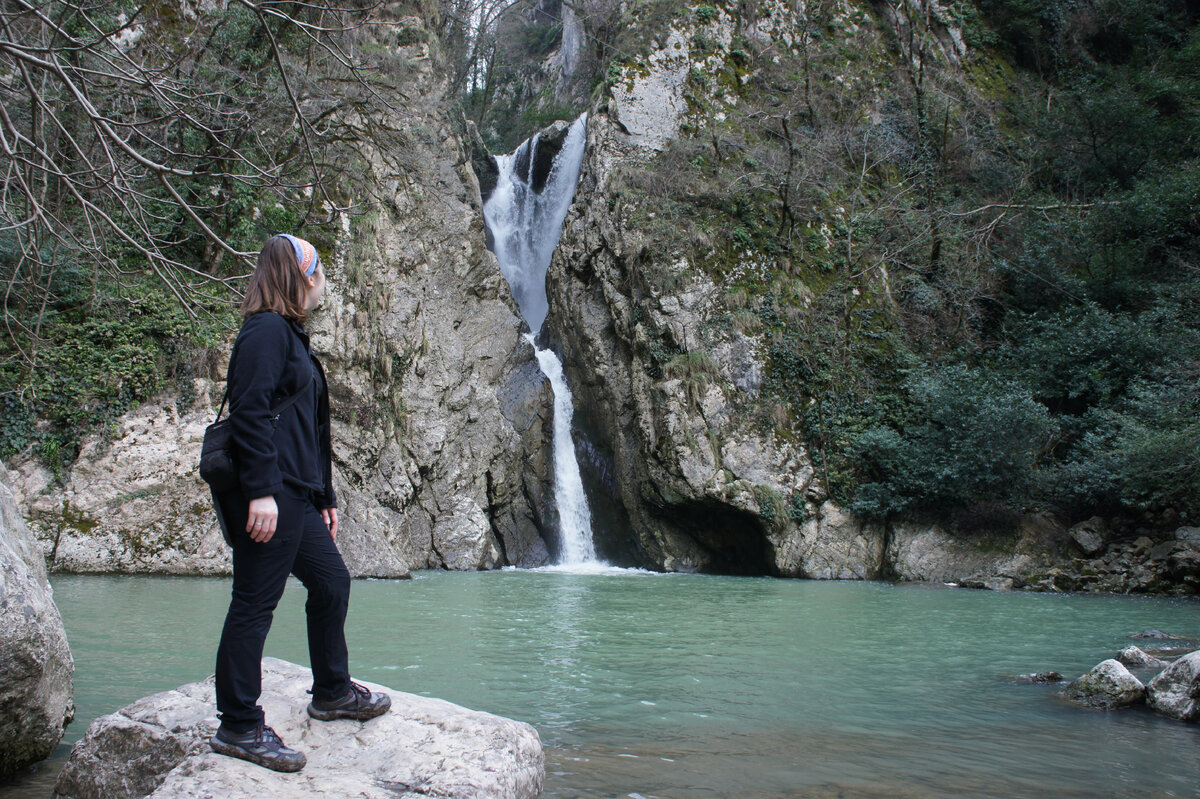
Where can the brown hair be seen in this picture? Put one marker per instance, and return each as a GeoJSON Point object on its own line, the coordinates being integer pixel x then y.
{"type": "Point", "coordinates": [277, 284]}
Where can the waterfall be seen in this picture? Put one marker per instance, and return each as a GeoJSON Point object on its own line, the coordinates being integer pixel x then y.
{"type": "Point", "coordinates": [524, 215]}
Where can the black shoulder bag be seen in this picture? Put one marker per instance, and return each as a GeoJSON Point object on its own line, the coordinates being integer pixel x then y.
{"type": "Point", "coordinates": [218, 461]}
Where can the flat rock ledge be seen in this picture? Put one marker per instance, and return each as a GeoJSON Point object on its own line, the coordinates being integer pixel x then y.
{"type": "Point", "coordinates": [158, 747]}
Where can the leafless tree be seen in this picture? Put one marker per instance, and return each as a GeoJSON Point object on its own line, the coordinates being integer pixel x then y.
{"type": "Point", "coordinates": [131, 141]}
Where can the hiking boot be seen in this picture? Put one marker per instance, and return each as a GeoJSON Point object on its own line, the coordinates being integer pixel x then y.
{"type": "Point", "coordinates": [261, 746]}
{"type": "Point", "coordinates": [359, 704]}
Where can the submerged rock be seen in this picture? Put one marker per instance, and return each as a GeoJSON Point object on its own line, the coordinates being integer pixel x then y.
{"type": "Point", "coordinates": [1157, 635]}
{"type": "Point", "coordinates": [35, 662]}
{"type": "Point", "coordinates": [423, 747]}
{"type": "Point", "coordinates": [1175, 691]}
{"type": "Point", "coordinates": [1108, 686]}
{"type": "Point", "coordinates": [1135, 658]}
{"type": "Point", "coordinates": [1041, 677]}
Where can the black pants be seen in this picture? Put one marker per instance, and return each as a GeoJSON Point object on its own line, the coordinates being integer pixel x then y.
{"type": "Point", "coordinates": [301, 546]}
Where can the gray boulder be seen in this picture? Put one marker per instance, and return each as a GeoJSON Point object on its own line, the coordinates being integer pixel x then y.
{"type": "Point", "coordinates": [35, 662]}
{"type": "Point", "coordinates": [158, 746]}
{"type": "Point", "coordinates": [1133, 657]}
{"type": "Point", "coordinates": [1175, 691]}
{"type": "Point", "coordinates": [1108, 686]}
{"type": "Point", "coordinates": [1090, 535]}
{"type": "Point", "coordinates": [1190, 535]}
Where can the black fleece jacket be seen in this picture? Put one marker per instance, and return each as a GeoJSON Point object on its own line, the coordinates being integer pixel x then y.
{"type": "Point", "coordinates": [272, 360]}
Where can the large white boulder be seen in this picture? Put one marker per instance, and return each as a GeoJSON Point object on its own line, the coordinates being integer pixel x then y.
{"type": "Point", "coordinates": [1107, 686]}
{"type": "Point", "coordinates": [158, 746]}
{"type": "Point", "coordinates": [35, 663]}
{"type": "Point", "coordinates": [1176, 690]}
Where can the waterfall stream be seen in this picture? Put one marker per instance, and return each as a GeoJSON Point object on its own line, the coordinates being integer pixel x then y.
{"type": "Point", "coordinates": [525, 214]}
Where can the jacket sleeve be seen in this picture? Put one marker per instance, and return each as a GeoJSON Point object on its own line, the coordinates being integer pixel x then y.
{"type": "Point", "coordinates": [254, 375]}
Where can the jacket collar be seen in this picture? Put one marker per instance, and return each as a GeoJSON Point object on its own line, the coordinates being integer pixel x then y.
{"type": "Point", "coordinates": [300, 331]}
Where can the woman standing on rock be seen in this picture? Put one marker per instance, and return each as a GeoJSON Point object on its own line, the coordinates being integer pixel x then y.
{"type": "Point", "coordinates": [284, 520]}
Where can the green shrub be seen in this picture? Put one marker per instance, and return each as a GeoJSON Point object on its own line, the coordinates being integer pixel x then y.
{"type": "Point", "coordinates": [1146, 454]}
{"type": "Point", "coordinates": [1082, 356]}
{"type": "Point", "coordinates": [971, 437]}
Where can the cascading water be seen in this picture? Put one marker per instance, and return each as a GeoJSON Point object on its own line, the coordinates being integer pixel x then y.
{"type": "Point", "coordinates": [525, 215]}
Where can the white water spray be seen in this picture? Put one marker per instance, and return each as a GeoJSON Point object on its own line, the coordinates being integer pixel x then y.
{"type": "Point", "coordinates": [525, 225]}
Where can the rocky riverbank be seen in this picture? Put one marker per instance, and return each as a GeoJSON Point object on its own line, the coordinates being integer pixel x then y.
{"type": "Point", "coordinates": [421, 748]}
{"type": "Point", "coordinates": [135, 505]}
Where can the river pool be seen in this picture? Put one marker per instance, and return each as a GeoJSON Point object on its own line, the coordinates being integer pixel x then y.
{"type": "Point", "coordinates": [697, 686]}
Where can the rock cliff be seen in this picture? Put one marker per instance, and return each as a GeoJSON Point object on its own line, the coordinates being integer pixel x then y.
{"type": "Point", "coordinates": [35, 662]}
{"type": "Point", "coordinates": [132, 503]}
{"type": "Point", "coordinates": [689, 463]}
{"type": "Point", "coordinates": [158, 746]}
{"type": "Point", "coordinates": [437, 419]}
{"type": "Point", "coordinates": [686, 476]}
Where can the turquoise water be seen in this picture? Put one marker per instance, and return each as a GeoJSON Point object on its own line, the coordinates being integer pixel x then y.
{"type": "Point", "coordinates": [699, 686]}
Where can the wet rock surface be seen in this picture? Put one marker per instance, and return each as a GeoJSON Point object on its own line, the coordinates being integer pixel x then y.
{"type": "Point", "coordinates": [158, 746]}
{"type": "Point", "coordinates": [1157, 635]}
{"type": "Point", "coordinates": [1041, 678]}
{"type": "Point", "coordinates": [35, 662]}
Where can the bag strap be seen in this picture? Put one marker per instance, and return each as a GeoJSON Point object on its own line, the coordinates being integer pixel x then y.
{"type": "Point", "coordinates": [276, 410]}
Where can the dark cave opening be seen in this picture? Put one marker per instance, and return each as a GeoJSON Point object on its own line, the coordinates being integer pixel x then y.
{"type": "Point", "coordinates": [734, 539]}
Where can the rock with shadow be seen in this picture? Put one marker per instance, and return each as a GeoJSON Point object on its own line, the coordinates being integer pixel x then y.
{"type": "Point", "coordinates": [158, 746]}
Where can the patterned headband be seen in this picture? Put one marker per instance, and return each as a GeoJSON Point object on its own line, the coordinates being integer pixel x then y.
{"type": "Point", "coordinates": [306, 254]}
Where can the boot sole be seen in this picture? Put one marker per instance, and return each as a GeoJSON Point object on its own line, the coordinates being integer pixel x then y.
{"type": "Point", "coordinates": [274, 764]}
{"type": "Point", "coordinates": [364, 714]}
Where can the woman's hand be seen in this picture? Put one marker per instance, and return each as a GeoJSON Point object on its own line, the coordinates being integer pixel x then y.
{"type": "Point", "coordinates": [264, 514]}
{"type": "Point", "coordinates": [330, 517]}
